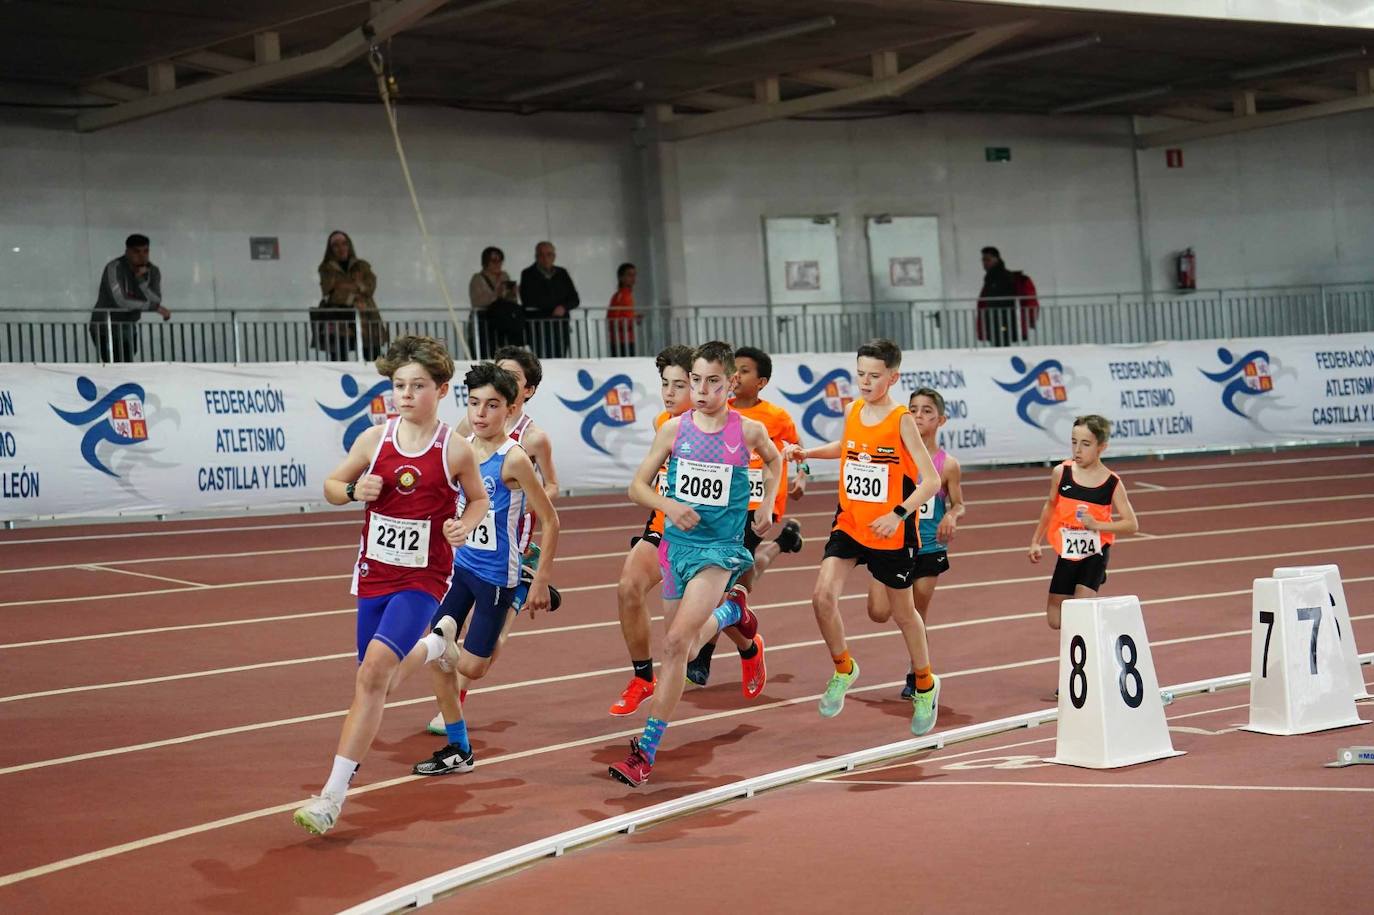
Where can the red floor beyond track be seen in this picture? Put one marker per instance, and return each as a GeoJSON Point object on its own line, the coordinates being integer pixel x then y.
{"type": "Point", "coordinates": [169, 692]}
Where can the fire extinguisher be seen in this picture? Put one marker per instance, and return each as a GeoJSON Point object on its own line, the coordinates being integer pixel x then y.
{"type": "Point", "coordinates": [1186, 270]}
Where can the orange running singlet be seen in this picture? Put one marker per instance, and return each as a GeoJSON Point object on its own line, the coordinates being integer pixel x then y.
{"type": "Point", "coordinates": [1067, 536]}
{"type": "Point", "coordinates": [876, 475]}
{"type": "Point", "coordinates": [782, 431]}
{"type": "Point", "coordinates": [656, 522]}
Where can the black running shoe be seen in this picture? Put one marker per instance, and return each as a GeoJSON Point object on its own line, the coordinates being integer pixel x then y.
{"type": "Point", "coordinates": [699, 668]}
{"type": "Point", "coordinates": [909, 690]}
{"type": "Point", "coordinates": [789, 540]}
{"type": "Point", "coordinates": [446, 761]}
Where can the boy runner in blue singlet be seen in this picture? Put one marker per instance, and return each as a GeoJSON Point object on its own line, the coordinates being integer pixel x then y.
{"type": "Point", "coordinates": [487, 567]}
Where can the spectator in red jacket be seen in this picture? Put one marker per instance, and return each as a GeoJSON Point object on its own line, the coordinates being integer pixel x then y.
{"type": "Point", "coordinates": [1007, 305]}
{"type": "Point", "coordinates": [620, 313]}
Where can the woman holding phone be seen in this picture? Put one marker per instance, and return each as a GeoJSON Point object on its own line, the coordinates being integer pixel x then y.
{"type": "Point", "coordinates": [495, 301]}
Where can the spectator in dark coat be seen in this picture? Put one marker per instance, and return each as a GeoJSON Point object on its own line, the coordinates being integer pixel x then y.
{"type": "Point", "coordinates": [548, 295]}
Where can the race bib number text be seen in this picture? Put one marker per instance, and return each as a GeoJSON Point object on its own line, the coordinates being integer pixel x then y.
{"type": "Point", "coordinates": [703, 484]}
{"type": "Point", "coordinates": [1080, 544]}
{"type": "Point", "coordinates": [398, 541]}
{"type": "Point", "coordinates": [865, 482]}
{"type": "Point", "coordinates": [483, 536]}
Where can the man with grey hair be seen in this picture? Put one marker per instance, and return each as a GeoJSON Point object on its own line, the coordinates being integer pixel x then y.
{"type": "Point", "coordinates": [548, 295]}
{"type": "Point", "coordinates": [129, 285]}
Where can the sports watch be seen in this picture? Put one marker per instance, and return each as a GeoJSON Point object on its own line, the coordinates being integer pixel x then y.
{"type": "Point", "coordinates": [899, 510]}
{"type": "Point", "coordinates": [348, 490]}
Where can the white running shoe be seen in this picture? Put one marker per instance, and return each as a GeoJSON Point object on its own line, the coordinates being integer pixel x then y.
{"type": "Point", "coordinates": [436, 725]}
{"type": "Point", "coordinates": [320, 815]}
{"type": "Point", "coordinates": [448, 631]}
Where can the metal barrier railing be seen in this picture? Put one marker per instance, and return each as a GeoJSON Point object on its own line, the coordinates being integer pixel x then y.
{"type": "Point", "coordinates": [280, 336]}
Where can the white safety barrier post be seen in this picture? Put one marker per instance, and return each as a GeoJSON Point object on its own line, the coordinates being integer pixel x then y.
{"type": "Point", "coordinates": [1298, 681]}
{"type": "Point", "coordinates": [1340, 612]}
{"type": "Point", "coordinates": [1110, 712]}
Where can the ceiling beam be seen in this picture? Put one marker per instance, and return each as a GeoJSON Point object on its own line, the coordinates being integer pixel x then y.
{"type": "Point", "coordinates": [713, 101]}
{"type": "Point", "coordinates": [120, 92]}
{"type": "Point", "coordinates": [354, 44]}
{"type": "Point", "coordinates": [1305, 93]}
{"type": "Point", "coordinates": [1194, 113]}
{"type": "Point", "coordinates": [939, 63]}
{"type": "Point", "coordinates": [828, 79]}
{"type": "Point", "coordinates": [1175, 135]}
{"type": "Point", "coordinates": [213, 62]}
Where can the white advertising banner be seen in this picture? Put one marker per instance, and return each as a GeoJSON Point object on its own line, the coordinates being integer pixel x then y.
{"type": "Point", "coordinates": [91, 440]}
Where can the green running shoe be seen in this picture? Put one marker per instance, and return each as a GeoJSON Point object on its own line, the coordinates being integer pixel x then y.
{"type": "Point", "coordinates": [833, 700]}
{"type": "Point", "coordinates": [925, 709]}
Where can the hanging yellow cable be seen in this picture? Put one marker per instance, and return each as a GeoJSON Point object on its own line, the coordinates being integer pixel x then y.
{"type": "Point", "coordinates": [385, 87]}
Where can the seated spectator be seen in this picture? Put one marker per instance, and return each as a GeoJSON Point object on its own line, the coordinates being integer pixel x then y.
{"type": "Point", "coordinates": [620, 313]}
{"type": "Point", "coordinates": [548, 295]}
{"type": "Point", "coordinates": [346, 285]}
{"type": "Point", "coordinates": [495, 304]}
{"type": "Point", "coordinates": [129, 285]}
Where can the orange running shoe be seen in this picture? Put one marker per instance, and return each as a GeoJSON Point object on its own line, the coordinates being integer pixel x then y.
{"type": "Point", "coordinates": [753, 672]}
{"type": "Point", "coordinates": [636, 691]}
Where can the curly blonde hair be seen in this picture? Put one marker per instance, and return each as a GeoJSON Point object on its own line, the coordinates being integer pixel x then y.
{"type": "Point", "coordinates": [424, 351]}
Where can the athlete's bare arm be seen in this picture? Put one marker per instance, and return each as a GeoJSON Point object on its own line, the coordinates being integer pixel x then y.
{"type": "Point", "coordinates": [518, 472]}
{"type": "Point", "coordinates": [756, 437]}
{"type": "Point", "coordinates": [1126, 522]}
{"type": "Point", "coordinates": [352, 470]}
{"type": "Point", "coordinates": [954, 505]}
{"type": "Point", "coordinates": [540, 448]}
{"type": "Point", "coordinates": [462, 466]}
{"type": "Point", "coordinates": [1045, 512]}
{"type": "Point", "coordinates": [642, 490]}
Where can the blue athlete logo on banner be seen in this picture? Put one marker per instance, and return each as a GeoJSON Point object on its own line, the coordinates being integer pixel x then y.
{"type": "Point", "coordinates": [119, 418]}
{"type": "Point", "coordinates": [371, 407]}
{"type": "Point", "coordinates": [1041, 386]}
{"type": "Point", "coordinates": [611, 404]}
{"type": "Point", "coordinates": [827, 398]}
{"type": "Point", "coordinates": [1251, 375]}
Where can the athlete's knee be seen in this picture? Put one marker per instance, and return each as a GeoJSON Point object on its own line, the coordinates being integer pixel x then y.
{"type": "Point", "coordinates": [473, 667]}
{"type": "Point", "coordinates": [677, 644]}
{"type": "Point", "coordinates": [879, 613]}
{"type": "Point", "coordinates": [374, 676]}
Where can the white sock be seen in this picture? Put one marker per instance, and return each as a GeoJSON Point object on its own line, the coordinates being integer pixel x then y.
{"type": "Point", "coordinates": [434, 646]}
{"type": "Point", "coordinates": [339, 777]}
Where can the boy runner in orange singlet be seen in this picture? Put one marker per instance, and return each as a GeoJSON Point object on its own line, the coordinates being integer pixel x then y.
{"type": "Point", "coordinates": [881, 459]}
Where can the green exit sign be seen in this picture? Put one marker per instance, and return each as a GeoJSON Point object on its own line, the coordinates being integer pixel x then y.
{"type": "Point", "coordinates": [997, 153]}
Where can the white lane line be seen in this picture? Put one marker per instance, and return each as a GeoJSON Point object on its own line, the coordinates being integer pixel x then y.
{"type": "Point", "coordinates": [564, 678]}
{"type": "Point", "coordinates": [1130, 474]}
{"type": "Point", "coordinates": [1132, 471]}
{"type": "Point", "coordinates": [1324, 789]}
{"type": "Point", "coordinates": [193, 675]}
{"type": "Point", "coordinates": [1154, 487]}
{"type": "Point", "coordinates": [176, 581]}
{"type": "Point", "coordinates": [124, 848]}
{"type": "Point", "coordinates": [633, 528]}
{"type": "Point", "coordinates": [123, 594]}
{"type": "Point", "coordinates": [156, 630]}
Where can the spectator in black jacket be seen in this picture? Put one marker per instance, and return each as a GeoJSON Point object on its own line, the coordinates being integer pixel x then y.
{"type": "Point", "coordinates": [129, 286]}
{"type": "Point", "coordinates": [996, 301]}
{"type": "Point", "coordinates": [548, 295]}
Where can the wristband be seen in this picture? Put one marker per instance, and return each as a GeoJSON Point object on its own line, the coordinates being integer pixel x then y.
{"type": "Point", "coordinates": [348, 490]}
{"type": "Point", "coordinates": [900, 511]}
{"type": "Point", "coordinates": [806, 468]}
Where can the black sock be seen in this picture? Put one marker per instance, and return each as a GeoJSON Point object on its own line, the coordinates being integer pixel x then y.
{"type": "Point", "coordinates": [747, 653]}
{"type": "Point", "coordinates": [704, 656]}
{"type": "Point", "coordinates": [644, 670]}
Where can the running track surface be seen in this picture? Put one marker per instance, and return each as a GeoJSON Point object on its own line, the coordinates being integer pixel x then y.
{"type": "Point", "coordinates": [170, 692]}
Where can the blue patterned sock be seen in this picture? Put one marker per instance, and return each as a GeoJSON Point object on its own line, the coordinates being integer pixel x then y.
{"type": "Point", "coordinates": [727, 614]}
{"type": "Point", "coordinates": [653, 733]}
{"type": "Point", "coordinates": [458, 734]}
